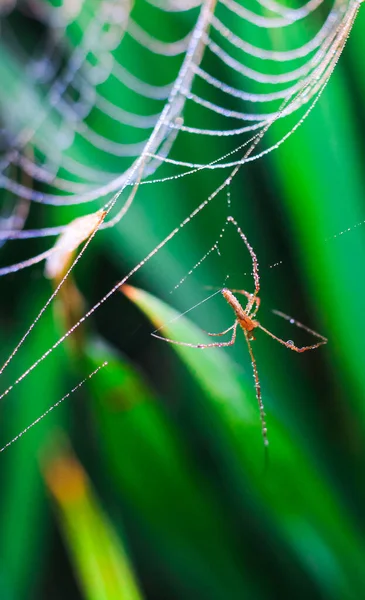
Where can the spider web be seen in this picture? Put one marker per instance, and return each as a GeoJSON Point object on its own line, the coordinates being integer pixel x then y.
{"type": "Point", "coordinates": [249, 68]}
{"type": "Point", "coordinates": [41, 114]}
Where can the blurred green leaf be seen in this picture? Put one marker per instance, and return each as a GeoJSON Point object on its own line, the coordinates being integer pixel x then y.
{"type": "Point", "coordinates": [99, 559]}
{"type": "Point", "coordinates": [155, 474]}
{"type": "Point", "coordinates": [24, 518]}
{"type": "Point", "coordinates": [293, 492]}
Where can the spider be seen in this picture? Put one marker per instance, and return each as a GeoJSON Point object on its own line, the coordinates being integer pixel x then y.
{"type": "Point", "coordinates": [246, 319]}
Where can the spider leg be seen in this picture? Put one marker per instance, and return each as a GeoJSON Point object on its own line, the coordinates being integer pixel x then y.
{"type": "Point", "coordinates": [258, 391]}
{"type": "Point", "coordinates": [292, 346]}
{"type": "Point", "coordinates": [213, 345]}
{"type": "Point", "coordinates": [222, 332]}
{"type": "Point", "coordinates": [255, 264]}
{"type": "Point", "coordinates": [256, 300]}
{"type": "Point", "coordinates": [298, 324]}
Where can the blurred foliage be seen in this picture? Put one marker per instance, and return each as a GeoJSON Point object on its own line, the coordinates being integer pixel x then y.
{"type": "Point", "coordinates": [169, 436]}
{"type": "Point", "coordinates": [100, 562]}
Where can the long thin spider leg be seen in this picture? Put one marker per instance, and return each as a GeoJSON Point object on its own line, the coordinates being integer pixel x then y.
{"type": "Point", "coordinates": [298, 324]}
{"type": "Point", "coordinates": [253, 314]}
{"type": "Point", "coordinates": [258, 391]}
{"type": "Point", "coordinates": [222, 332]}
{"type": "Point", "coordinates": [255, 264]}
{"type": "Point", "coordinates": [290, 345]}
{"type": "Point", "coordinates": [213, 345]}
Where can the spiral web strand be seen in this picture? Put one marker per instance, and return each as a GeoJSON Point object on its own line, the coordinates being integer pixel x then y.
{"type": "Point", "coordinates": [260, 93]}
{"type": "Point", "coordinates": [46, 124]}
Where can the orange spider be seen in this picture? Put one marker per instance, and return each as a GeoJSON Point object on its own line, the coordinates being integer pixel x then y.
{"type": "Point", "coordinates": [246, 319]}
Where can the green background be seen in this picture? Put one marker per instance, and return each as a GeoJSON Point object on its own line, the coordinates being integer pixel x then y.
{"type": "Point", "coordinates": [170, 437]}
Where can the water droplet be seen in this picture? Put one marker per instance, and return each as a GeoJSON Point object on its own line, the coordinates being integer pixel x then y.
{"type": "Point", "coordinates": [292, 321]}
{"type": "Point", "coordinates": [290, 342]}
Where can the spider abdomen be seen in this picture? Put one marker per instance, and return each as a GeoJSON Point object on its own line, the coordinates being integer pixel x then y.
{"type": "Point", "coordinates": [247, 323]}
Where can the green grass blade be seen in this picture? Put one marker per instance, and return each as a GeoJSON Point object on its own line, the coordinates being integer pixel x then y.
{"type": "Point", "coordinates": [24, 518]}
{"type": "Point", "coordinates": [170, 496]}
{"type": "Point", "coordinates": [100, 561]}
{"type": "Point", "coordinates": [293, 492]}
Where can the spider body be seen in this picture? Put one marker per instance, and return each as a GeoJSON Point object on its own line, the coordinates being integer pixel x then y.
{"type": "Point", "coordinates": [243, 318]}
